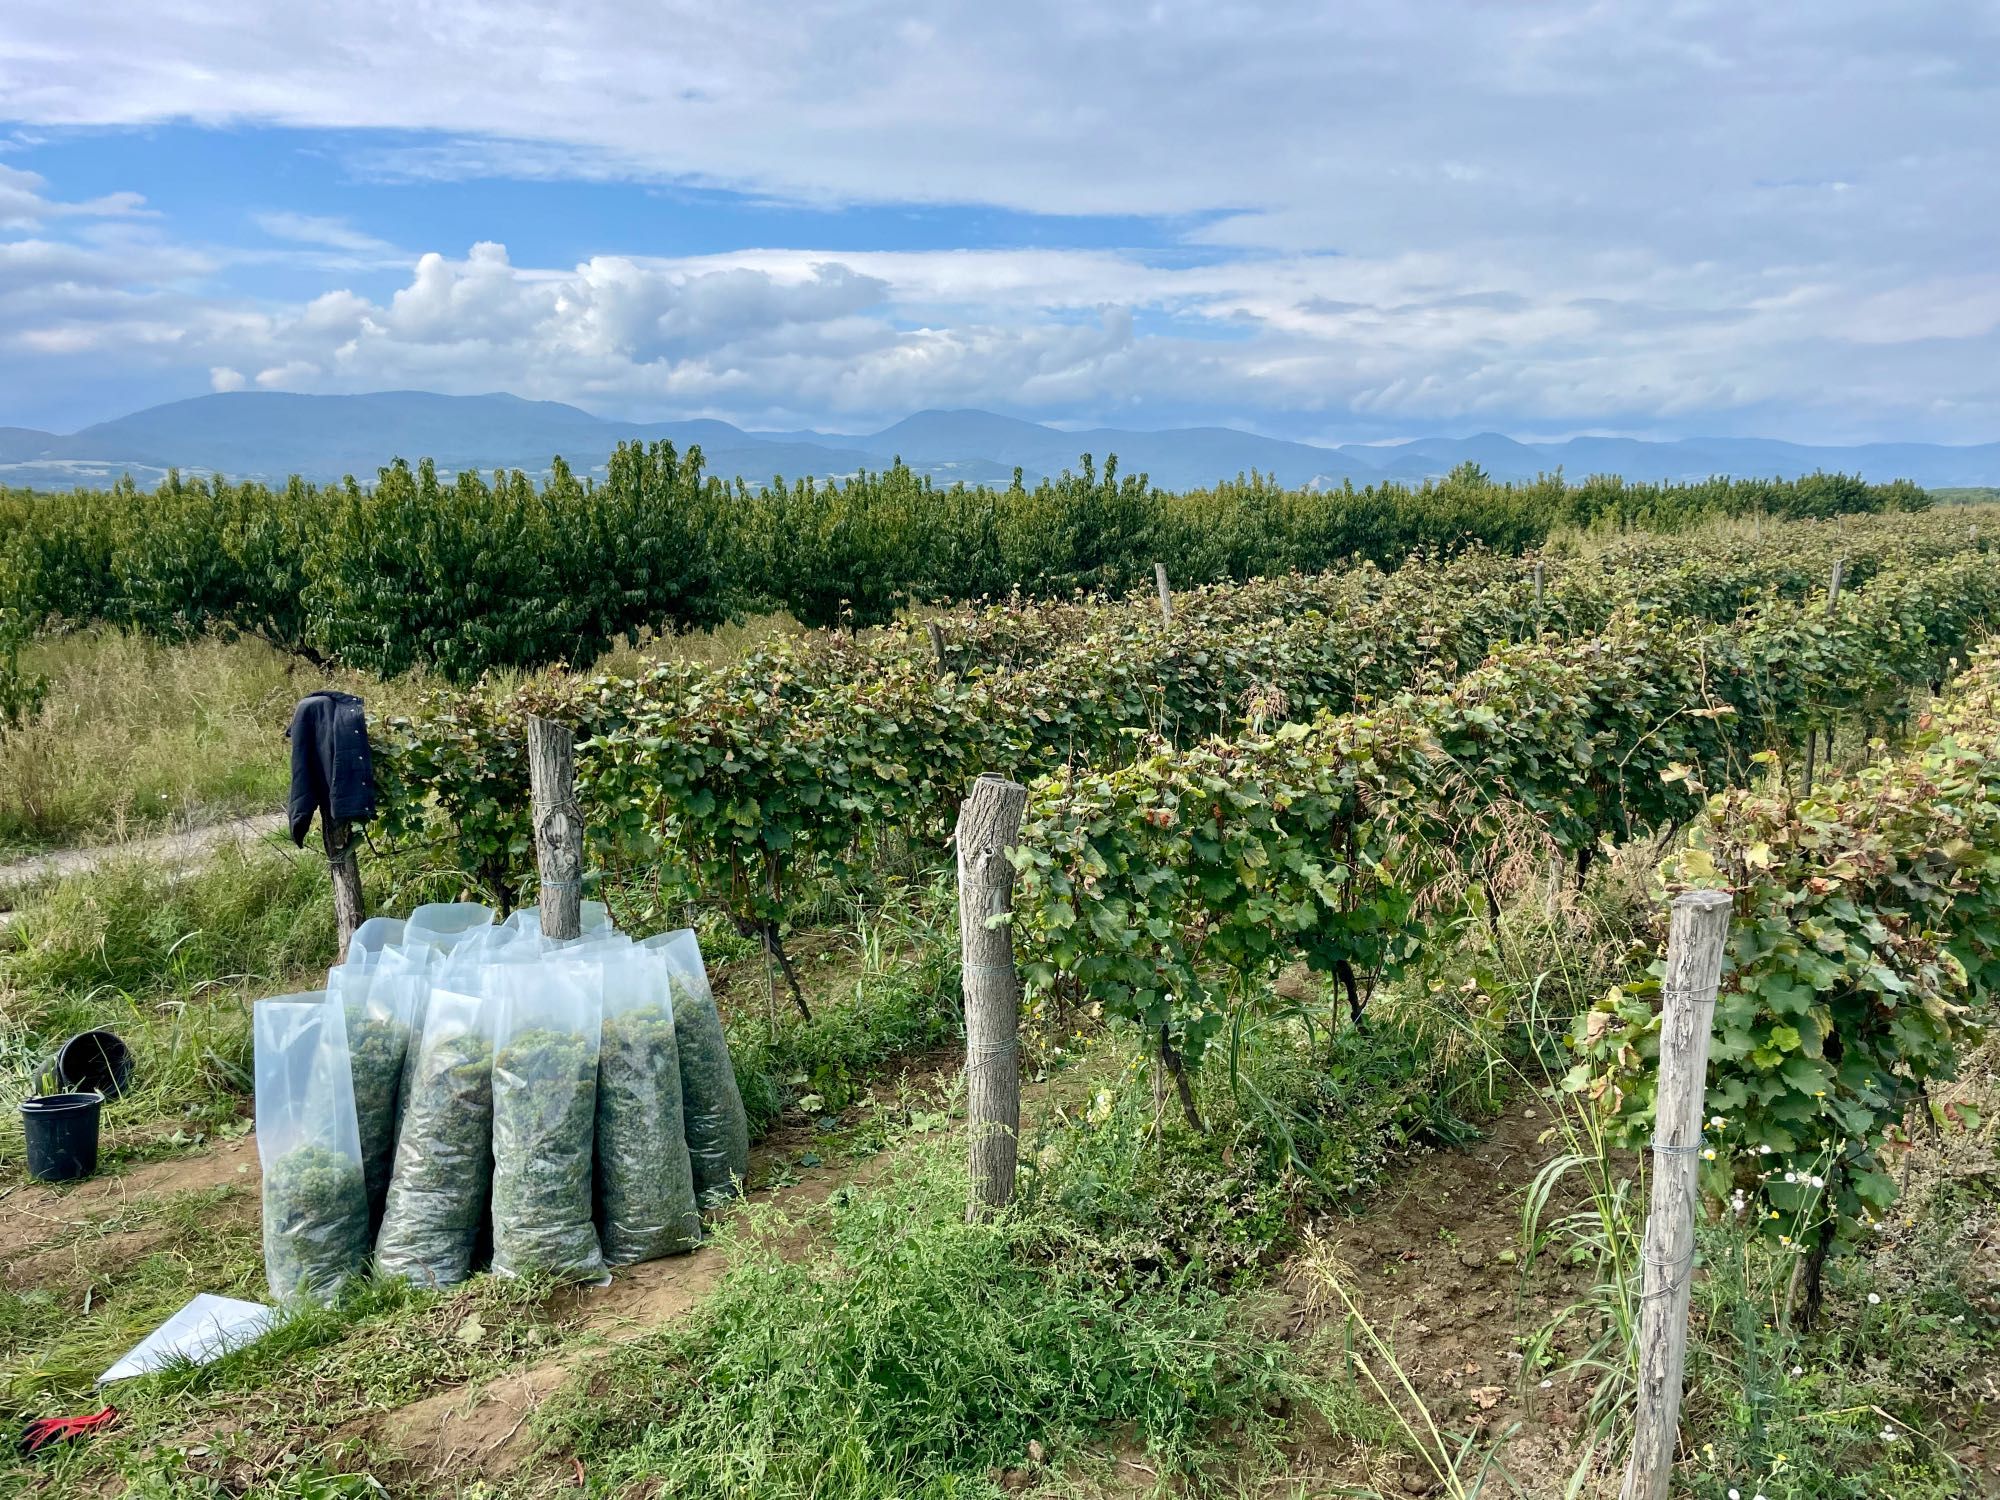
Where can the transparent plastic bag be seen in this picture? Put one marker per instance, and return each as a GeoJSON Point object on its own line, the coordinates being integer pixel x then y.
{"type": "Point", "coordinates": [416, 966]}
{"type": "Point", "coordinates": [446, 924]}
{"type": "Point", "coordinates": [435, 1211]}
{"type": "Point", "coordinates": [718, 1132]}
{"type": "Point", "coordinates": [645, 1182]}
{"type": "Point", "coordinates": [545, 1118]}
{"type": "Point", "coordinates": [372, 938]}
{"type": "Point", "coordinates": [315, 1200]}
{"type": "Point", "coordinates": [593, 921]}
{"type": "Point", "coordinates": [379, 1000]}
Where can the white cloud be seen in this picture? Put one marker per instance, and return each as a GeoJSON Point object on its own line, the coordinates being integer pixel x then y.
{"type": "Point", "coordinates": [315, 229]}
{"type": "Point", "coordinates": [24, 203]}
{"type": "Point", "coordinates": [1364, 126]}
{"type": "Point", "coordinates": [1322, 345]}
{"type": "Point", "coordinates": [1572, 213]}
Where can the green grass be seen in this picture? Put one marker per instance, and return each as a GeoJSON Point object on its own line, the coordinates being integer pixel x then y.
{"type": "Point", "coordinates": [887, 990]}
{"type": "Point", "coordinates": [916, 1355]}
{"type": "Point", "coordinates": [1121, 1306]}
{"type": "Point", "coordinates": [171, 962]}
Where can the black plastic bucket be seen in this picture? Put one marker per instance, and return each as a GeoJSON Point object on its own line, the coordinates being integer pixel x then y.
{"type": "Point", "coordinates": [62, 1135]}
{"type": "Point", "coordinates": [94, 1062]}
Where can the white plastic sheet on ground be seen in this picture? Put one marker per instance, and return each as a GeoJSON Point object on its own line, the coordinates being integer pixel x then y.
{"type": "Point", "coordinates": [200, 1333]}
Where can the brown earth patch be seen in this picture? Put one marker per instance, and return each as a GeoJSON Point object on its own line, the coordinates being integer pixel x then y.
{"type": "Point", "coordinates": [1432, 1262]}
{"type": "Point", "coordinates": [32, 1215]}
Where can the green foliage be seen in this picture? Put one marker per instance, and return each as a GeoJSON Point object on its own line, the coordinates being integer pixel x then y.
{"type": "Point", "coordinates": [316, 1232]}
{"type": "Point", "coordinates": [717, 1127]}
{"type": "Point", "coordinates": [1866, 942]}
{"type": "Point", "coordinates": [440, 1189]}
{"type": "Point", "coordinates": [815, 759]}
{"type": "Point", "coordinates": [1166, 886]}
{"type": "Point", "coordinates": [645, 1185]}
{"type": "Point", "coordinates": [472, 574]}
{"type": "Point", "coordinates": [21, 692]}
{"type": "Point", "coordinates": [544, 1128]}
{"type": "Point", "coordinates": [377, 1048]}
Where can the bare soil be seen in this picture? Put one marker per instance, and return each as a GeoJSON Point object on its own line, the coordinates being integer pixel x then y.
{"type": "Point", "coordinates": [33, 1215]}
{"type": "Point", "coordinates": [1432, 1262]}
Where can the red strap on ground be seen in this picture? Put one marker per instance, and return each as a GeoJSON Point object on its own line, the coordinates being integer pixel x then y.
{"type": "Point", "coordinates": [45, 1431]}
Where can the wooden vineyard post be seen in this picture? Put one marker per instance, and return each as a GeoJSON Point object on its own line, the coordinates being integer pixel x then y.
{"type": "Point", "coordinates": [558, 823]}
{"type": "Point", "coordinates": [989, 824]}
{"type": "Point", "coordinates": [337, 839]}
{"type": "Point", "coordinates": [1166, 594]}
{"type": "Point", "coordinates": [1833, 586]}
{"type": "Point", "coordinates": [1699, 929]}
{"type": "Point", "coordinates": [937, 643]}
{"type": "Point", "coordinates": [1538, 593]}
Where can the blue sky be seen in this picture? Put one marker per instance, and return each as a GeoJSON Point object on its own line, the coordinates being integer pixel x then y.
{"type": "Point", "coordinates": [1334, 223]}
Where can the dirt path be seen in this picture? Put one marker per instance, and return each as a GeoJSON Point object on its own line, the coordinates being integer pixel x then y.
{"type": "Point", "coordinates": [185, 846]}
{"type": "Point", "coordinates": [1432, 1260]}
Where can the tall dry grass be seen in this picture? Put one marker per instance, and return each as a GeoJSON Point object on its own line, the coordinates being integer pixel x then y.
{"type": "Point", "coordinates": [137, 736]}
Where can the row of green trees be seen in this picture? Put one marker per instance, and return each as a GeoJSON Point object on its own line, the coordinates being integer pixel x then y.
{"type": "Point", "coordinates": [466, 574]}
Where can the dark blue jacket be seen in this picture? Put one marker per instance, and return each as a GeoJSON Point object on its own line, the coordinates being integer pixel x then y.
{"type": "Point", "coordinates": [332, 771]}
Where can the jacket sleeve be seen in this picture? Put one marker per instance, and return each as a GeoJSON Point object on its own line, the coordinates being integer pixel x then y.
{"type": "Point", "coordinates": [304, 798]}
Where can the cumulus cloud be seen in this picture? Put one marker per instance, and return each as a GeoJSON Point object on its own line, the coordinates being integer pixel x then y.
{"type": "Point", "coordinates": [1321, 345]}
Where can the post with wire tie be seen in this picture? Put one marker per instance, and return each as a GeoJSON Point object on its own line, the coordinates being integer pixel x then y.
{"type": "Point", "coordinates": [1166, 594]}
{"type": "Point", "coordinates": [1695, 942]}
{"type": "Point", "coordinates": [558, 826]}
{"type": "Point", "coordinates": [989, 826]}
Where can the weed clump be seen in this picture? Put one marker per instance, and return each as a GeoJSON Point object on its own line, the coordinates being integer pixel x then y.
{"type": "Point", "coordinates": [645, 1182]}
{"type": "Point", "coordinates": [315, 1223]}
{"type": "Point", "coordinates": [544, 1132]}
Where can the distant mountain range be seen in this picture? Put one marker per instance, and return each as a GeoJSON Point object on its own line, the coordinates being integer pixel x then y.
{"type": "Point", "coordinates": [269, 435]}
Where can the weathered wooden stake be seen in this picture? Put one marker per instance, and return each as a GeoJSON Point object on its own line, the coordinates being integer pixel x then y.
{"type": "Point", "coordinates": [1695, 940]}
{"type": "Point", "coordinates": [1538, 586]}
{"type": "Point", "coordinates": [558, 826]}
{"type": "Point", "coordinates": [989, 824]}
{"type": "Point", "coordinates": [1166, 594]}
{"type": "Point", "coordinates": [337, 838]}
{"type": "Point", "coordinates": [937, 642]}
{"type": "Point", "coordinates": [1833, 586]}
